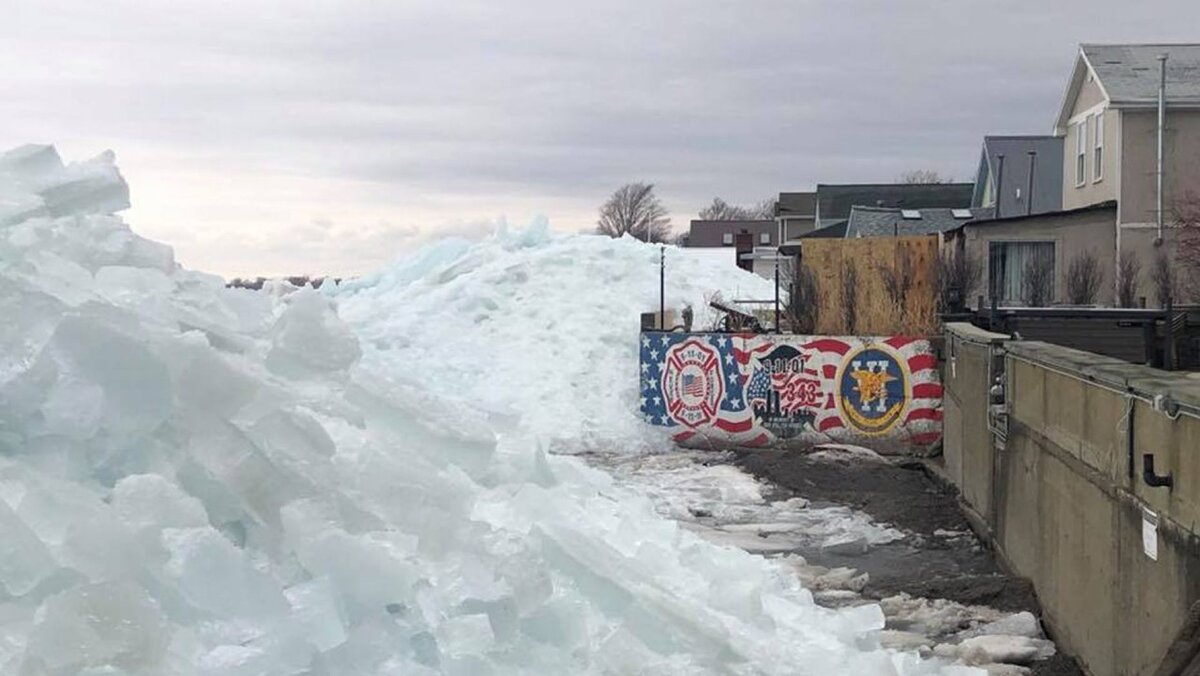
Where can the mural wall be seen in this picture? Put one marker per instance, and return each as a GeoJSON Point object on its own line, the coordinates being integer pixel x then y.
{"type": "Point", "coordinates": [724, 390]}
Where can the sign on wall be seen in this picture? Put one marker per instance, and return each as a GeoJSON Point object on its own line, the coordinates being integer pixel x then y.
{"type": "Point", "coordinates": [718, 389]}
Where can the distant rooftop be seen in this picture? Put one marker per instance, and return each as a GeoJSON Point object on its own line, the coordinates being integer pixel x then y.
{"type": "Point", "coordinates": [835, 201]}
{"type": "Point", "coordinates": [796, 204]}
{"type": "Point", "coordinates": [887, 222]}
{"type": "Point", "coordinates": [1047, 173]}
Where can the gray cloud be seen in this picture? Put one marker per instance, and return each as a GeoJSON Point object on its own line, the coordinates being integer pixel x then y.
{"type": "Point", "coordinates": [241, 120]}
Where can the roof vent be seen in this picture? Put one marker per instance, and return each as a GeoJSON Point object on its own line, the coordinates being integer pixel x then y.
{"type": "Point", "coordinates": [910, 214]}
{"type": "Point", "coordinates": [961, 213]}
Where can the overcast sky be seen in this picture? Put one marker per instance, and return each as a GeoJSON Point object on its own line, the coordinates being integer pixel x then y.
{"type": "Point", "coordinates": [331, 137]}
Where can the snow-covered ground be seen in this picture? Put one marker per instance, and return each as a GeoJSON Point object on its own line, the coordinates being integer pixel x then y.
{"type": "Point", "coordinates": [199, 480]}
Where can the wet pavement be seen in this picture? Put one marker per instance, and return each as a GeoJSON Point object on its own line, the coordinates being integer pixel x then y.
{"type": "Point", "coordinates": [859, 528]}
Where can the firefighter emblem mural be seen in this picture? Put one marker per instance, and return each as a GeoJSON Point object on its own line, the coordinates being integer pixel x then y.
{"type": "Point", "coordinates": [692, 383]}
{"type": "Point", "coordinates": [872, 389]}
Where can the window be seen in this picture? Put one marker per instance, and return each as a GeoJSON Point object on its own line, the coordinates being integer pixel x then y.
{"type": "Point", "coordinates": [961, 213]}
{"type": "Point", "coordinates": [1098, 145]}
{"type": "Point", "coordinates": [910, 214]}
{"type": "Point", "coordinates": [727, 238]}
{"type": "Point", "coordinates": [1011, 264]}
{"type": "Point", "coordinates": [1081, 152]}
{"type": "Point", "coordinates": [764, 238]}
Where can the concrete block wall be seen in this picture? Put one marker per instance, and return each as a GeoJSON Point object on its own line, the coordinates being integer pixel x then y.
{"type": "Point", "coordinates": [1063, 497]}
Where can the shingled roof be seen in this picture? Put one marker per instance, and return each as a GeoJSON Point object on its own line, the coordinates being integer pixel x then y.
{"type": "Point", "coordinates": [885, 222]}
{"type": "Point", "coordinates": [835, 201]}
{"type": "Point", "coordinates": [1129, 75]}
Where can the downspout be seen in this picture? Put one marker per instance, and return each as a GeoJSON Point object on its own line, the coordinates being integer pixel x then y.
{"type": "Point", "coordinates": [1162, 119]}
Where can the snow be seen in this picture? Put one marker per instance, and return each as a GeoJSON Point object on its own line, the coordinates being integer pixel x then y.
{"type": "Point", "coordinates": [208, 481]}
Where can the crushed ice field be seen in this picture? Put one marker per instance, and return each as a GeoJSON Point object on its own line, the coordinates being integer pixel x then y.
{"type": "Point", "coordinates": [366, 479]}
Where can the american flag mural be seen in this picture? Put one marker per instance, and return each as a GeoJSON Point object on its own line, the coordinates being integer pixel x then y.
{"type": "Point", "coordinates": [727, 390]}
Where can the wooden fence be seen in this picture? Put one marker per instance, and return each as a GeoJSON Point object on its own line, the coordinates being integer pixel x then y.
{"type": "Point", "coordinates": [875, 285]}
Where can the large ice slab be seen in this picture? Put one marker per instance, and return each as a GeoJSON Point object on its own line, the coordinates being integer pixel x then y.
{"type": "Point", "coordinates": [197, 480]}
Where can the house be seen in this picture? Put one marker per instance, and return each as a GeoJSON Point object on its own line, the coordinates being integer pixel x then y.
{"type": "Point", "coordinates": [796, 214]}
{"type": "Point", "coordinates": [1019, 175]}
{"type": "Point", "coordinates": [834, 202]}
{"type": "Point", "coordinates": [752, 245]}
{"type": "Point", "coordinates": [722, 233]}
{"type": "Point", "coordinates": [1109, 122]}
{"type": "Point", "coordinates": [1006, 245]}
{"type": "Point", "coordinates": [892, 222]}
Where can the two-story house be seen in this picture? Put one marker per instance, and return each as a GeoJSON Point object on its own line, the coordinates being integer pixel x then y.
{"type": "Point", "coordinates": [1109, 120]}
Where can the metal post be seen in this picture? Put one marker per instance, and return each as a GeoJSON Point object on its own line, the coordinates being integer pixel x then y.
{"type": "Point", "coordinates": [662, 288]}
{"type": "Point", "coordinates": [1029, 189]}
{"type": "Point", "coordinates": [777, 327]}
{"type": "Point", "coordinates": [999, 183]}
{"type": "Point", "coordinates": [1162, 121]}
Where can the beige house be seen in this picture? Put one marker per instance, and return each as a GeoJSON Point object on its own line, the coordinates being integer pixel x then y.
{"type": "Point", "coordinates": [1109, 121]}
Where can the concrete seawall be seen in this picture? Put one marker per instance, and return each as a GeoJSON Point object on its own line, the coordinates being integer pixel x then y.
{"type": "Point", "coordinates": [1055, 478]}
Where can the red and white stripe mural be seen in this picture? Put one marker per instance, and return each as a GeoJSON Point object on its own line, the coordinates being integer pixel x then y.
{"type": "Point", "coordinates": [728, 390]}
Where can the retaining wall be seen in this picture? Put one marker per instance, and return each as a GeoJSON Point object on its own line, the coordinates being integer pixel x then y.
{"type": "Point", "coordinates": [1059, 487]}
{"type": "Point", "coordinates": [727, 390]}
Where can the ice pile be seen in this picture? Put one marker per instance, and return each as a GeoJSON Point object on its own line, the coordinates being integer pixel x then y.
{"type": "Point", "coordinates": [538, 326]}
{"type": "Point", "coordinates": [197, 480]}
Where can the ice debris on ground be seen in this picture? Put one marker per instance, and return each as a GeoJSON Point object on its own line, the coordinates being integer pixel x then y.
{"type": "Point", "coordinates": [213, 482]}
{"type": "Point", "coordinates": [718, 500]}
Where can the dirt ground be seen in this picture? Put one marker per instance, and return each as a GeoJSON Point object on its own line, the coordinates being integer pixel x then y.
{"type": "Point", "coordinates": [943, 559]}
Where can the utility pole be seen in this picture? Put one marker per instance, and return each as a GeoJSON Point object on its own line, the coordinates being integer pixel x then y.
{"type": "Point", "coordinates": [662, 287]}
{"type": "Point", "coordinates": [1029, 189]}
{"type": "Point", "coordinates": [999, 183]}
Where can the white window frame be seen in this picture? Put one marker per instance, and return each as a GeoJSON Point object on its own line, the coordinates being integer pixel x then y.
{"type": "Point", "coordinates": [764, 238]}
{"type": "Point", "coordinates": [1081, 151]}
{"type": "Point", "coordinates": [1098, 147]}
{"type": "Point", "coordinates": [727, 239]}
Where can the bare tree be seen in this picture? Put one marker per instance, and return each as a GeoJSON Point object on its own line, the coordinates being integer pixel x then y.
{"type": "Point", "coordinates": [921, 176]}
{"type": "Point", "coordinates": [1084, 277]}
{"type": "Point", "coordinates": [803, 299]}
{"type": "Point", "coordinates": [1129, 269]}
{"type": "Point", "coordinates": [764, 210]}
{"type": "Point", "coordinates": [720, 210]}
{"type": "Point", "coordinates": [1162, 276]}
{"type": "Point", "coordinates": [1037, 283]}
{"type": "Point", "coordinates": [849, 299]}
{"type": "Point", "coordinates": [1187, 247]}
{"type": "Point", "coordinates": [959, 274]}
{"type": "Point", "coordinates": [898, 278]}
{"type": "Point", "coordinates": [635, 210]}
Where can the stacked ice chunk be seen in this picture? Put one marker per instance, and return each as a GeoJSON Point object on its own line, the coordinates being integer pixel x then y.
{"type": "Point", "coordinates": [204, 481]}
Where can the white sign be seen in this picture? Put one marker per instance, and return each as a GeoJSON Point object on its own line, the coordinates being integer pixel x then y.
{"type": "Point", "coordinates": [1150, 534]}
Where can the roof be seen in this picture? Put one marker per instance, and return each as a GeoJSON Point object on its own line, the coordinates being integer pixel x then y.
{"type": "Point", "coordinates": [799, 203]}
{"type": "Point", "coordinates": [1129, 75]}
{"type": "Point", "coordinates": [838, 230]}
{"type": "Point", "coordinates": [1110, 205]}
{"type": "Point", "coordinates": [1047, 172]}
{"type": "Point", "coordinates": [835, 201]}
{"type": "Point", "coordinates": [885, 222]}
